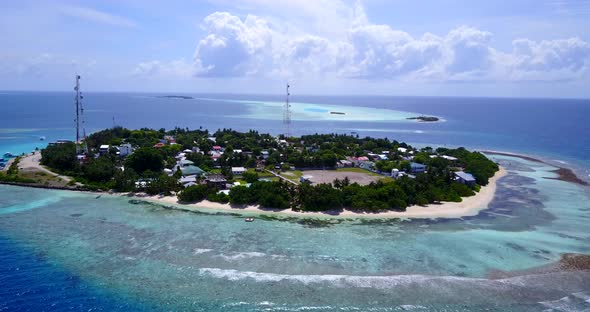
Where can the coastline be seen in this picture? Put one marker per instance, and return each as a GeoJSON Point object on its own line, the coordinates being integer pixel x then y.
{"type": "Point", "coordinates": [563, 174]}
{"type": "Point", "coordinates": [469, 206]}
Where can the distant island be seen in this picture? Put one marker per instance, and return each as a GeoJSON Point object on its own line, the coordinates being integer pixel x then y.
{"type": "Point", "coordinates": [311, 173]}
{"type": "Point", "coordinates": [182, 97]}
{"type": "Point", "coordinates": [424, 118]}
{"type": "Point", "coordinates": [337, 113]}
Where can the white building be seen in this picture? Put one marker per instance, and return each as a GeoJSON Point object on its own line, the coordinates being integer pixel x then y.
{"type": "Point", "coordinates": [449, 158]}
{"type": "Point", "coordinates": [125, 149]}
{"type": "Point", "coordinates": [238, 170]}
{"type": "Point", "coordinates": [103, 149]}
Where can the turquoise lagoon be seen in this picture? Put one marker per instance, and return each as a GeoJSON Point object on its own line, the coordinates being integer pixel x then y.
{"type": "Point", "coordinates": [84, 252]}
{"type": "Point", "coordinates": [152, 257]}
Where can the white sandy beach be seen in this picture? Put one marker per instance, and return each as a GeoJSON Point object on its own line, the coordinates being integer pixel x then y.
{"type": "Point", "coordinates": [470, 206]}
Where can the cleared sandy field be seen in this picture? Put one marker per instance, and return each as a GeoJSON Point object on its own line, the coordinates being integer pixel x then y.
{"type": "Point", "coordinates": [328, 176]}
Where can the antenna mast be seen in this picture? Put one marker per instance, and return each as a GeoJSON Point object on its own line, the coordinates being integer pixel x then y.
{"type": "Point", "coordinates": [287, 115]}
{"type": "Point", "coordinates": [81, 147]}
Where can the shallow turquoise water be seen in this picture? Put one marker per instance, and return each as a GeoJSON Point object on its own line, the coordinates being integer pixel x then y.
{"type": "Point", "coordinates": [167, 259]}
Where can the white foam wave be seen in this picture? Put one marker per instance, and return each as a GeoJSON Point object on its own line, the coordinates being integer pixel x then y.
{"type": "Point", "coordinates": [199, 251]}
{"type": "Point", "coordinates": [430, 283]}
{"type": "Point", "coordinates": [379, 282]}
{"type": "Point", "coordinates": [387, 130]}
{"type": "Point", "coordinates": [241, 255]}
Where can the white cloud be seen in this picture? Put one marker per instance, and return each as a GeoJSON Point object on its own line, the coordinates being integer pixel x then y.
{"type": "Point", "coordinates": [255, 46]}
{"type": "Point", "coordinates": [232, 47]}
{"type": "Point", "coordinates": [96, 16]}
{"type": "Point", "coordinates": [549, 60]}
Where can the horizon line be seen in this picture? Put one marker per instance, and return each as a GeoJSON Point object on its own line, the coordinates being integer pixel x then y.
{"type": "Point", "coordinates": [311, 94]}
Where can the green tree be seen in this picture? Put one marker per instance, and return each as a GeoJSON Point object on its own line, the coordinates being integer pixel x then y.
{"type": "Point", "coordinates": [61, 157]}
{"type": "Point", "coordinates": [193, 193]}
{"type": "Point", "coordinates": [250, 177]}
{"type": "Point", "coordinates": [145, 158]}
{"type": "Point", "coordinates": [125, 180]}
{"type": "Point", "coordinates": [240, 195]}
{"type": "Point", "coordinates": [100, 169]}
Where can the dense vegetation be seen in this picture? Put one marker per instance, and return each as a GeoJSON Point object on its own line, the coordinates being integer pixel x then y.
{"type": "Point", "coordinates": [142, 170]}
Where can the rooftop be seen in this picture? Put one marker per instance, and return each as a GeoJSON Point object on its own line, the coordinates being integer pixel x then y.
{"type": "Point", "coordinates": [465, 176]}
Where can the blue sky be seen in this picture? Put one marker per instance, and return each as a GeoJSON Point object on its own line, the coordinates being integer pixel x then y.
{"type": "Point", "coordinates": [518, 48]}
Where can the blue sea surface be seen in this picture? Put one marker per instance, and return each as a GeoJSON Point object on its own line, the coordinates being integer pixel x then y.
{"type": "Point", "coordinates": [556, 128]}
{"type": "Point", "coordinates": [81, 252]}
{"type": "Point", "coordinates": [31, 282]}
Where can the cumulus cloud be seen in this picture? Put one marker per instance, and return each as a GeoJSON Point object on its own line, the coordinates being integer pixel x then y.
{"type": "Point", "coordinates": [232, 47]}
{"type": "Point", "coordinates": [549, 60]}
{"type": "Point", "coordinates": [255, 46]}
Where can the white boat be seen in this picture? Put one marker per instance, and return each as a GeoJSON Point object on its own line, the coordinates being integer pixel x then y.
{"type": "Point", "coordinates": [250, 219]}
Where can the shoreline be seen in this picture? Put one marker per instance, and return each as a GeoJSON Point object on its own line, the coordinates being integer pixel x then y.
{"type": "Point", "coordinates": [469, 206]}
{"type": "Point", "coordinates": [563, 174]}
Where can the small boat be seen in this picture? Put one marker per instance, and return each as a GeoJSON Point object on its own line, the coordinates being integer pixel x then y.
{"type": "Point", "coordinates": [250, 219]}
{"type": "Point", "coordinates": [337, 113]}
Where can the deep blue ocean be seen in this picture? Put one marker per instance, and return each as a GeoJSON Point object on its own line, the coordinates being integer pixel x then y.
{"type": "Point", "coordinates": [554, 128]}
{"type": "Point", "coordinates": [53, 260]}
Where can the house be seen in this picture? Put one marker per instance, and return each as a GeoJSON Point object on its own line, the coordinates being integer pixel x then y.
{"type": "Point", "coordinates": [217, 148]}
{"type": "Point", "coordinates": [217, 181]}
{"type": "Point", "coordinates": [417, 168]}
{"type": "Point", "coordinates": [465, 178]}
{"type": "Point", "coordinates": [188, 179]}
{"type": "Point", "coordinates": [345, 163]}
{"type": "Point", "coordinates": [103, 149]}
{"type": "Point", "coordinates": [305, 179]}
{"type": "Point", "coordinates": [169, 138]}
{"type": "Point", "coordinates": [189, 184]}
{"type": "Point", "coordinates": [159, 145]}
{"type": "Point", "coordinates": [367, 165]}
{"type": "Point", "coordinates": [402, 149]}
{"type": "Point", "coordinates": [449, 158]}
{"type": "Point", "coordinates": [238, 170]}
{"type": "Point", "coordinates": [383, 157]}
{"type": "Point", "coordinates": [185, 163]}
{"type": "Point", "coordinates": [396, 174]}
{"type": "Point", "coordinates": [264, 154]}
{"type": "Point", "coordinates": [191, 170]}
{"type": "Point", "coordinates": [125, 150]}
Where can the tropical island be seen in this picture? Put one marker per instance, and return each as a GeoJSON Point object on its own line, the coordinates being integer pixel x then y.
{"type": "Point", "coordinates": [312, 173]}
{"type": "Point", "coordinates": [424, 118]}
{"type": "Point", "coordinates": [180, 97]}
